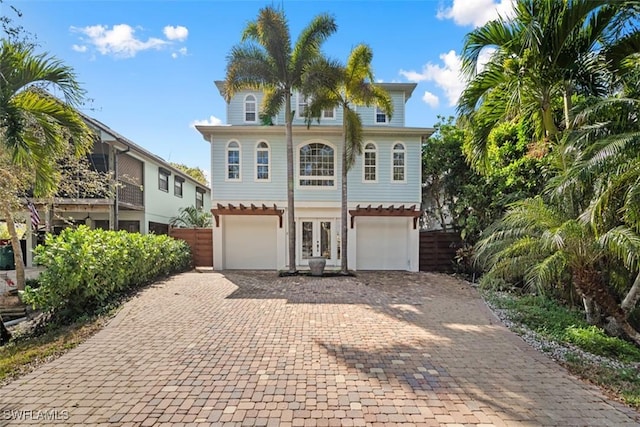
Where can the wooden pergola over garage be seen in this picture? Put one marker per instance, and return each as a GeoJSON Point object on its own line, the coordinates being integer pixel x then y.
{"type": "Point", "coordinates": [246, 210]}
{"type": "Point", "coordinates": [390, 211]}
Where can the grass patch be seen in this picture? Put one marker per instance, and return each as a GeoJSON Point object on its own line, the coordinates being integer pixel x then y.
{"type": "Point", "coordinates": [561, 324]}
{"type": "Point", "coordinates": [25, 353]}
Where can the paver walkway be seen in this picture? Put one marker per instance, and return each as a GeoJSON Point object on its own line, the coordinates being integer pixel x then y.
{"type": "Point", "coordinates": [253, 349]}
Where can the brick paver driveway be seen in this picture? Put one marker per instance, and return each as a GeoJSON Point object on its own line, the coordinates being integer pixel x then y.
{"type": "Point", "coordinates": [253, 349]}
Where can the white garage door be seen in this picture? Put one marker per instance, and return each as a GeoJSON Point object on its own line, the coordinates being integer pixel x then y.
{"type": "Point", "coordinates": [382, 244]}
{"type": "Point", "coordinates": [250, 242]}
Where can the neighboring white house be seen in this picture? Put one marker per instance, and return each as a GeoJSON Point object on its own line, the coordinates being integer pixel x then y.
{"type": "Point", "coordinates": [149, 192]}
{"type": "Point", "coordinates": [249, 197]}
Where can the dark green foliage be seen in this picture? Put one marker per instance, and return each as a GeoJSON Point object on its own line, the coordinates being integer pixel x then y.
{"type": "Point", "coordinates": [85, 269]}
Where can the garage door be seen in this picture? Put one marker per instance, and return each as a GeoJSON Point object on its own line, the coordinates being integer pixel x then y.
{"type": "Point", "coordinates": [250, 242]}
{"type": "Point", "coordinates": [382, 244]}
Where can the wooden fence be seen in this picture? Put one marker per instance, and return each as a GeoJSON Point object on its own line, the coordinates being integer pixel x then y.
{"type": "Point", "coordinates": [201, 242]}
{"type": "Point", "coordinates": [437, 250]}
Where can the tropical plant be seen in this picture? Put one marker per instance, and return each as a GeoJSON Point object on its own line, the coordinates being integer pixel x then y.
{"type": "Point", "coordinates": [266, 60]}
{"type": "Point", "coordinates": [36, 127]}
{"type": "Point", "coordinates": [539, 242]}
{"type": "Point", "coordinates": [547, 51]}
{"type": "Point", "coordinates": [191, 217]}
{"type": "Point", "coordinates": [328, 85]}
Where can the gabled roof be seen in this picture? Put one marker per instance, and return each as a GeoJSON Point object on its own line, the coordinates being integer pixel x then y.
{"type": "Point", "coordinates": [96, 124]}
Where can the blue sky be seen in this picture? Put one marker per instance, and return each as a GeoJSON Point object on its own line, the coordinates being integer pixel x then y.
{"type": "Point", "coordinates": [148, 66]}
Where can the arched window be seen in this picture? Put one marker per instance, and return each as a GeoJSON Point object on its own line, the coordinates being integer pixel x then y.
{"type": "Point", "coordinates": [263, 161]}
{"type": "Point", "coordinates": [233, 161]}
{"type": "Point", "coordinates": [398, 172]}
{"type": "Point", "coordinates": [317, 165]}
{"type": "Point", "coordinates": [250, 110]}
{"type": "Point", "coordinates": [370, 163]}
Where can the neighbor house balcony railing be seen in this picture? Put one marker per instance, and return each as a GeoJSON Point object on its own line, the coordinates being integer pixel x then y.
{"type": "Point", "coordinates": [130, 194]}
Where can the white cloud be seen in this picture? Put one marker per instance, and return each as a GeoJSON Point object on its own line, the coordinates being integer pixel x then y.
{"type": "Point", "coordinates": [79, 48]}
{"type": "Point", "coordinates": [448, 76]}
{"type": "Point", "coordinates": [178, 33]}
{"type": "Point", "coordinates": [119, 41]}
{"type": "Point", "coordinates": [181, 52]}
{"type": "Point", "coordinates": [430, 99]}
{"type": "Point", "coordinates": [211, 121]}
{"type": "Point", "coordinates": [476, 12]}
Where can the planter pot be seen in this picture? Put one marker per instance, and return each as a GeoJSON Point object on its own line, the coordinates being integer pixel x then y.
{"type": "Point", "coordinates": [316, 265]}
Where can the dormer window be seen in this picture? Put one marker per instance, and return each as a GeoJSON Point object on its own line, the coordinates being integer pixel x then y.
{"type": "Point", "coordinates": [250, 109]}
{"type": "Point", "coordinates": [381, 116]}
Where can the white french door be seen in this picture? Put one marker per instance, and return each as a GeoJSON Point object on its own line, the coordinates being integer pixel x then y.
{"type": "Point", "coordinates": [317, 237]}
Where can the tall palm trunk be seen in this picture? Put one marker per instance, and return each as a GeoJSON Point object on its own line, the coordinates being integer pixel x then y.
{"type": "Point", "coordinates": [344, 263]}
{"type": "Point", "coordinates": [291, 222]}
{"type": "Point", "coordinates": [17, 251]}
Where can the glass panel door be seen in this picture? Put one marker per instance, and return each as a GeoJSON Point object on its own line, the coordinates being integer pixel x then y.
{"type": "Point", "coordinates": [307, 240]}
{"type": "Point", "coordinates": [316, 239]}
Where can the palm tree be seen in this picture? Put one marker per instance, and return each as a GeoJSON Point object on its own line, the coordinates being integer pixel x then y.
{"type": "Point", "coordinates": [546, 52]}
{"type": "Point", "coordinates": [191, 217]}
{"type": "Point", "coordinates": [540, 242]}
{"type": "Point", "coordinates": [36, 127]}
{"type": "Point", "coordinates": [329, 84]}
{"type": "Point", "coordinates": [266, 60]}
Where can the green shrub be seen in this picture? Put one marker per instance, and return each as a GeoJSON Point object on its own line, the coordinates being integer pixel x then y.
{"type": "Point", "coordinates": [596, 341]}
{"type": "Point", "coordinates": [86, 268]}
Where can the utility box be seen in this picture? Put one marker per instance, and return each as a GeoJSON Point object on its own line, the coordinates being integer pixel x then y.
{"type": "Point", "coordinates": [6, 258]}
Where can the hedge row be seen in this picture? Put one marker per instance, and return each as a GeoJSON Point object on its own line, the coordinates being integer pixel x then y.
{"type": "Point", "coordinates": [85, 268]}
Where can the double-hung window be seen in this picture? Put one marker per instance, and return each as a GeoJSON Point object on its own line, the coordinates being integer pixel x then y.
{"type": "Point", "coordinates": [163, 179]}
{"type": "Point", "coordinates": [263, 161]}
{"type": "Point", "coordinates": [250, 109]}
{"type": "Point", "coordinates": [370, 159]}
{"type": "Point", "coordinates": [399, 163]}
{"type": "Point", "coordinates": [178, 183]}
{"type": "Point", "coordinates": [233, 161]}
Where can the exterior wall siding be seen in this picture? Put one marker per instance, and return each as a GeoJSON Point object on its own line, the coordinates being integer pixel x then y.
{"type": "Point", "coordinates": [235, 112]}
{"type": "Point", "coordinates": [247, 189]}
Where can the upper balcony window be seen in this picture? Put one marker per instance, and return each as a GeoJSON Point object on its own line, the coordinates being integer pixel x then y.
{"type": "Point", "coordinates": [399, 163]}
{"type": "Point", "coordinates": [317, 165]}
{"type": "Point", "coordinates": [381, 116]}
{"type": "Point", "coordinates": [233, 161]}
{"type": "Point", "coordinates": [263, 161]}
{"type": "Point", "coordinates": [370, 165]}
{"type": "Point", "coordinates": [250, 109]}
{"type": "Point", "coordinates": [163, 179]}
